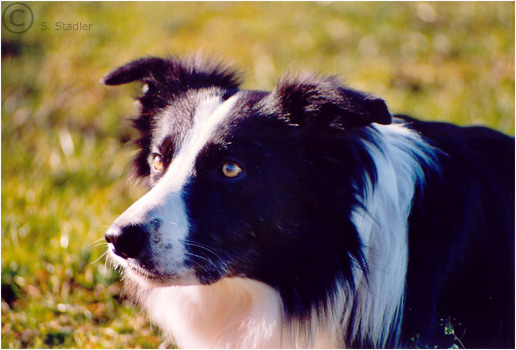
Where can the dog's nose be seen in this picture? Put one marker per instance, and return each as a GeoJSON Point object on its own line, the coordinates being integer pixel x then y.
{"type": "Point", "coordinates": [128, 241]}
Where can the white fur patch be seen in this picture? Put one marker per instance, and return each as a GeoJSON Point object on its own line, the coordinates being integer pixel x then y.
{"type": "Point", "coordinates": [383, 229]}
{"type": "Point", "coordinates": [239, 313]}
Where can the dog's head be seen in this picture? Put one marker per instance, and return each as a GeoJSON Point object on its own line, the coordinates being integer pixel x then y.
{"type": "Point", "coordinates": [242, 183]}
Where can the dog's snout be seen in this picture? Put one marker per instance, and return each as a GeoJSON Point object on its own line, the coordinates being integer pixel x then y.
{"type": "Point", "coordinates": [128, 241]}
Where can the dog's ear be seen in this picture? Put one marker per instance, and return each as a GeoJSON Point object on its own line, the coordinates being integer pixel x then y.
{"type": "Point", "coordinates": [309, 100]}
{"type": "Point", "coordinates": [137, 70]}
{"type": "Point", "coordinates": [165, 78]}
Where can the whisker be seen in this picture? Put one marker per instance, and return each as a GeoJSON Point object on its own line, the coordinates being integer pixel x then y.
{"type": "Point", "coordinates": [195, 244]}
{"type": "Point", "coordinates": [196, 262]}
{"type": "Point", "coordinates": [100, 257]}
{"type": "Point", "coordinates": [205, 259]}
{"type": "Point", "coordinates": [100, 244]}
{"type": "Point", "coordinates": [97, 241]}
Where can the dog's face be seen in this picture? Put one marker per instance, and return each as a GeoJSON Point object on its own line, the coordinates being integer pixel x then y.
{"type": "Point", "coordinates": [235, 176]}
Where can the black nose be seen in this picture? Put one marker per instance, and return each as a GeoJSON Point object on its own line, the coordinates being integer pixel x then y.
{"type": "Point", "coordinates": [128, 241]}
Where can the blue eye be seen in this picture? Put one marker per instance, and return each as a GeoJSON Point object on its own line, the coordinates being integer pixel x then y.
{"type": "Point", "coordinates": [231, 169]}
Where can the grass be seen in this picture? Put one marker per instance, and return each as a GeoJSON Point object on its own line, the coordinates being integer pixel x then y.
{"type": "Point", "coordinates": [64, 165]}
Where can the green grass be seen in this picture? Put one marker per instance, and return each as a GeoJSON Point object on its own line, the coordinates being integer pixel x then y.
{"type": "Point", "coordinates": [64, 167]}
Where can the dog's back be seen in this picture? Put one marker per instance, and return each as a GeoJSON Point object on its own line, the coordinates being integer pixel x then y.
{"type": "Point", "coordinates": [461, 238]}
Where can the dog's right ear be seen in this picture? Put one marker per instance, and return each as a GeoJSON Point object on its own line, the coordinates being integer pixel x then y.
{"type": "Point", "coordinates": [313, 101]}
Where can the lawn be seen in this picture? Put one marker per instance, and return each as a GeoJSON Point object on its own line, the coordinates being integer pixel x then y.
{"type": "Point", "coordinates": [65, 155]}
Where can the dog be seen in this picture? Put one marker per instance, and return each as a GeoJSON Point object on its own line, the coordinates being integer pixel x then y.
{"type": "Point", "coordinates": [310, 217]}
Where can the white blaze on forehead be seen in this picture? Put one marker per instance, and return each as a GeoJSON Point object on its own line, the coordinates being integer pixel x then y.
{"type": "Point", "coordinates": [210, 113]}
{"type": "Point", "coordinates": [166, 195]}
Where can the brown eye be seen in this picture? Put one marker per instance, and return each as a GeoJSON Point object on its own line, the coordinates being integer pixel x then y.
{"type": "Point", "coordinates": [231, 169]}
{"type": "Point", "coordinates": [157, 162]}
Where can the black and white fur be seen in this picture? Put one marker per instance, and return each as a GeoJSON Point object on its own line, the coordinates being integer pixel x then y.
{"type": "Point", "coordinates": [344, 227]}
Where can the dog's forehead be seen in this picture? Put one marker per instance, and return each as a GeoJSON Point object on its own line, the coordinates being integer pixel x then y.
{"type": "Point", "coordinates": [199, 108]}
{"type": "Point", "coordinates": [175, 120]}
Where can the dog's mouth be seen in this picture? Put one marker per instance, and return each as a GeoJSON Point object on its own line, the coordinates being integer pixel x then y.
{"type": "Point", "coordinates": [142, 275]}
{"type": "Point", "coordinates": [144, 272]}
{"type": "Point", "coordinates": [152, 278]}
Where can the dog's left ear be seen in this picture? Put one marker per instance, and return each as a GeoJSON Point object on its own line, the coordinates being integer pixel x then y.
{"type": "Point", "coordinates": [166, 78]}
{"type": "Point", "coordinates": [310, 100]}
{"type": "Point", "coordinates": [182, 73]}
{"type": "Point", "coordinates": [137, 70]}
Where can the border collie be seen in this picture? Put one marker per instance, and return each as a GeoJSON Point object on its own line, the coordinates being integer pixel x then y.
{"type": "Point", "coordinates": [309, 217]}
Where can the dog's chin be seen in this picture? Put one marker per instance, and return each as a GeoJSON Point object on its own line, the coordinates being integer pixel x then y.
{"type": "Point", "coordinates": [153, 280]}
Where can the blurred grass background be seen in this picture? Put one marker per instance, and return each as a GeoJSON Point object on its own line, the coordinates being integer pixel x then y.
{"type": "Point", "coordinates": [64, 167]}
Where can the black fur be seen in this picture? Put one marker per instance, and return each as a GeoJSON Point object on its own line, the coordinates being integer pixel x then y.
{"type": "Point", "coordinates": [462, 239]}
